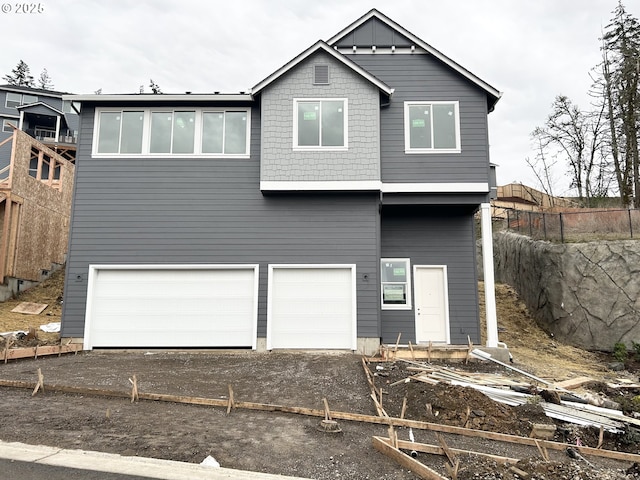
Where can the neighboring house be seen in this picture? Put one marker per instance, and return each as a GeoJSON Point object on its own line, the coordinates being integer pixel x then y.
{"type": "Point", "coordinates": [37, 150]}
{"type": "Point", "coordinates": [42, 114]}
{"type": "Point", "coordinates": [330, 207]}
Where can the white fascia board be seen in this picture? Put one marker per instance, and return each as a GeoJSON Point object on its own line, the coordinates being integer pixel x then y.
{"type": "Point", "coordinates": [321, 185]}
{"type": "Point", "coordinates": [36, 104]}
{"type": "Point", "coordinates": [471, 187]}
{"type": "Point", "coordinates": [320, 45]}
{"type": "Point", "coordinates": [374, 185]}
{"type": "Point", "coordinates": [421, 43]}
{"type": "Point", "coordinates": [156, 98]}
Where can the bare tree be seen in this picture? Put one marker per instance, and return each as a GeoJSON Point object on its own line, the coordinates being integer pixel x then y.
{"type": "Point", "coordinates": [44, 80]}
{"type": "Point", "coordinates": [542, 166]}
{"type": "Point", "coordinates": [575, 138]}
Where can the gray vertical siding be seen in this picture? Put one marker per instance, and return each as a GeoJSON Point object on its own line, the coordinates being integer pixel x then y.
{"type": "Point", "coordinates": [434, 235]}
{"type": "Point", "coordinates": [420, 77]}
{"type": "Point", "coordinates": [210, 211]}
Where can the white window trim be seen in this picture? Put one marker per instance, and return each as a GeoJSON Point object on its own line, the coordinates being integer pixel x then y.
{"type": "Point", "coordinates": [406, 306]}
{"type": "Point", "coordinates": [354, 295]}
{"type": "Point", "coordinates": [320, 148]}
{"type": "Point", "coordinates": [146, 133]}
{"type": "Point", "coordinates": [94, 269]}
{"type": "Point", "coordinates": [5, 124]}
{"type": "Point", "coordinates": [6, 100]}
{"type": "Point", "coordinates": [407, 133]}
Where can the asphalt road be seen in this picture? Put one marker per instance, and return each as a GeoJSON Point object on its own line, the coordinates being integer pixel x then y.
{"type": "Point", "coordinates": [15, 470]}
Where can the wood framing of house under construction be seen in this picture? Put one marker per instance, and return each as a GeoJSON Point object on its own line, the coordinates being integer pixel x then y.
{"type": "Point", "coordinates": [36, 189]}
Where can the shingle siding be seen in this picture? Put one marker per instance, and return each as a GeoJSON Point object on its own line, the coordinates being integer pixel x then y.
{"type": "Point", "coordinates": [360, 162]}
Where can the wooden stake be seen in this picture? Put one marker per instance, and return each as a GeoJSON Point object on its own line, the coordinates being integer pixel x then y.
{"type": "Point", "coordinates": [466, 419]}
{"type": "Point", "coordinates": [7, 344]}
{"type": "Point", "coordinates": [404, 407]}
{"type": "Point", "coordinates": [231, 403]}
{"type": "Point", "coordinates": [395, 350]}
{"type": "Point", "coordinates": [447, 451]}
{"type": "Point", "coordinates": [601, 437]}
{"type": "Point", "coordinates": [413, 355]}
{"type": "Point", "coordinates": [469, 350]}
{"type": "Point", "coordinates": [40, 384]}
{"type": "Point", "coordinates": [327, 412]}
{"type": "Point", "coordinates": [134, 389]}
{"type": "Point", "coordinates": [543, 451]}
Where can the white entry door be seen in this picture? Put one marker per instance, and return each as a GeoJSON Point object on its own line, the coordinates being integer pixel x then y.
{"type": "Point", "coordinates": [431, 303]}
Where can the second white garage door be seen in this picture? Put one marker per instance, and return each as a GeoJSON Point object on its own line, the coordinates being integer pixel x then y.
{"type": "Point", "coordinates": [171, 306]}
{"type": "Point", "coordinates": [312, 307]}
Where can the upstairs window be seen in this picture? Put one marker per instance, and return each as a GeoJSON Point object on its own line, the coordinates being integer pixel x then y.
{"type": "Point", "coordinates": [14, 100]}
{"type": "Point", "coordinates": [396, 283]}
{"type": "Point", "coordinates": [320, 124]}
{"type": "Point", "coordinates": [224, 132]}
{"type": "Point", "coordinates": [432, 127]}
{"type": "Point", "coordinates": [165, 132]}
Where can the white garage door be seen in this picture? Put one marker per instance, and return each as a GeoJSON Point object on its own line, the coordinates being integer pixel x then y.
{"type": "Point", "coordinates": [167, 306]}
{"type": "Point", "coordinates": [311, 306]}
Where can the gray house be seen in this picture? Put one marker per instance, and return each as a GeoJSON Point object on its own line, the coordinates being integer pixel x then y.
{"type": "Point", "coordinates": [331, 206]}
{"type": "Point", "coordinates": [40, 113]}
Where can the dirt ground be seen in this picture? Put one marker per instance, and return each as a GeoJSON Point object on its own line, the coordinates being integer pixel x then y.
{"type": "Point", "coordinates": [292, 444]}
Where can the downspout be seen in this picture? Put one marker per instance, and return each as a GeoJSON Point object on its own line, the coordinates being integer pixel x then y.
{"type": "Point", "coordinates": [489, 280]}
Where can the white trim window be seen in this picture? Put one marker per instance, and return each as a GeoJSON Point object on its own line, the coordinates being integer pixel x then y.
{"type": "Point", "coordinates": [6, 124]}
{"type": "Point", "coordinates": [320, 124]}
{"type": "Point", "coordinates": [14, 100]}
{"type": "Point", "coordinates": [432, 127]}
{"type": "Point", "coordinates": [162, 132]}
{"type": "Point", "coordinates": [395, 278]}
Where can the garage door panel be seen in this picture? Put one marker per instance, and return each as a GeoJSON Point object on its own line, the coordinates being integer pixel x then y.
{"type": "Point", "coordinates": [312, 307]}
{"type": "Point", "coordinates": [180, 307]}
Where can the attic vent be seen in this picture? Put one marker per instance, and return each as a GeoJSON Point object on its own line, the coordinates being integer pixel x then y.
{"type": "Point", "coordinates": [321, 74]}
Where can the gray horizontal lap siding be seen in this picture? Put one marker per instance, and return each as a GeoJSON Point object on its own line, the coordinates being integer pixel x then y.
{"type": "Point", "coordinates": [423, 78]}
{"type": "Point", "coordinates": [210, 211]}
{"type": "Point", "coordinates": [434, 236]}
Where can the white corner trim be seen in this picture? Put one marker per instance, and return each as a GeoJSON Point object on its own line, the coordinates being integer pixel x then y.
{"type": "Point", "coordinates": [332, 185]}
{"type": "Point", "coordinates": [471, 187]}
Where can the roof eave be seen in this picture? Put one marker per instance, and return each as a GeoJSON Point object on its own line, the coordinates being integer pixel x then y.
{"type": "Point", "coordinates": [320, 45]}
{"type": "Point", "coordinates": [492, 92]}
{"type": "Point", "coordinates": [160, 98]}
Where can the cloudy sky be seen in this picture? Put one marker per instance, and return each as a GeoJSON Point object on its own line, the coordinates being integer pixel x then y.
{"type": "Point", "coordinates": [529, 50]}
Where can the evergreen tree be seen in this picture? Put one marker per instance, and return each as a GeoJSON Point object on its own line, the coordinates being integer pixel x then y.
{"type": "Point", "coordinates": [20, 76]}
{"type": "Point", "coordinates": [154, 86]}
{"type": "Point", "coordinates": [621, 72]}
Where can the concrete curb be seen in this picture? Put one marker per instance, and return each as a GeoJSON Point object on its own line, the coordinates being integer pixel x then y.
{"type": "Point", "coordinates": [112, 463]}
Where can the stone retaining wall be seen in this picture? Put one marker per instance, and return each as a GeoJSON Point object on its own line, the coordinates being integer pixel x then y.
{"type": "Point", "coordinates": [587, 294]}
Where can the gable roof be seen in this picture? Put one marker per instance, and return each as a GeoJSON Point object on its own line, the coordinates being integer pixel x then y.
{"type": "Point", "coordinates": [36, 104]}
{"type": "Point", "coordinates": [317, 47]}
{"type": "Point", "coordinates": [493, 94]}
{"type": "Point", "coordinates": [32, 90]}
